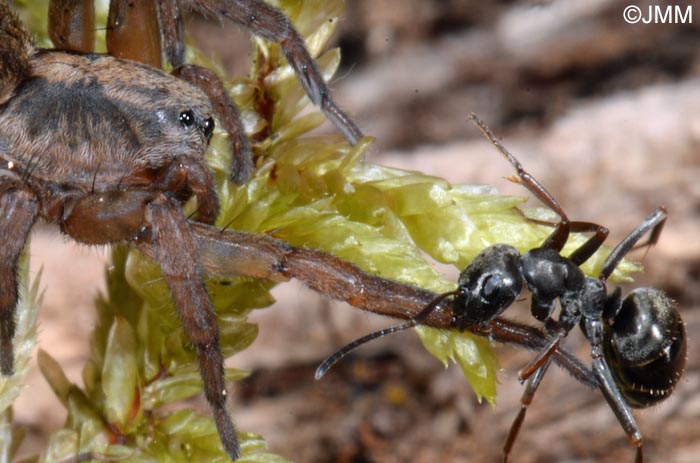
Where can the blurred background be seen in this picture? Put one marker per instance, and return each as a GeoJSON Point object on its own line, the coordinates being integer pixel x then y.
{"type": "Point", "coordinates": [604, 113]}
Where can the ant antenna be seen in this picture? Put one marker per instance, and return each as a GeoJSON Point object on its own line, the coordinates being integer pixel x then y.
{"type": "Point", "coordinates": [415, 321]}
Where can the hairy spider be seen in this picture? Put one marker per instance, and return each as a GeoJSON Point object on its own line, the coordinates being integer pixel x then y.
{"type": "Point", "coordinates": [134, 32]}
{"type": "Point", "coordinates": [109, 149]}
{"type": "Point", "coordinates": [638, 343]}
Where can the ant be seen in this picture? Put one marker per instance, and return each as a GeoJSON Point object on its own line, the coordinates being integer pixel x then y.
{"type": "Point", "coordinates": [638, 344]}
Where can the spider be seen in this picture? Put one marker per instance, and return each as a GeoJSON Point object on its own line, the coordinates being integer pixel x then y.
{"type": "Point", "coordinates": [134, 32]}
{"type": "Point", "coordinates": [638, 343]}
{"type": "Point", "coordinates": [109, 149]}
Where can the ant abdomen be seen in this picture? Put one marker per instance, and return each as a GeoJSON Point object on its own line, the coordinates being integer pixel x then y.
{"type": "Point", "coordinates": [488, 286]}
{"type": "Point", "coordinates": [645, 346]}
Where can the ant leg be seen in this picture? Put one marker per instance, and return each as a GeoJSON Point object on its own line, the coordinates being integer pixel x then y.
{"type": "Point", "coordinates": [133, 31]}
{"type": "Point", "coordinates": [558, 238]}
{"type": "Point", "coordinates": [530, 388]}
{"type": "Point", "coordinates": [654, 222]}
{"type": "Point", "coordinates": [270, 23]}
{"type": "Point", "coordinates": [415, 321]}
{"type": "Point", "coordinates": [72, 24]}
{"type": "Point", "coordinates": [174, 246]}
{"type": "Point", "coordinates": [560, 235]}
{"type": "Point", "coordinates": [18, 209]}
{"type": "Point", "coordinates": [607, 385]}
{"type": "Point", "coordinates": [542, 358]}
{"type": "Point", "coordinates": [560, 329]}
{"type": "Point", "coordinates": [656, 230]}
{"type": "Point", "coordinates": [210, 83]}
{"type": "Point", "coordinates": [587, 249]}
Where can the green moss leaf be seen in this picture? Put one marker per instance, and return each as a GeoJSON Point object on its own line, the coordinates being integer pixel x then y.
{"type": "Point", "coordinates": [120, 375]}
{"type": "Point", "coordinates": [473, 354]}
{"type": "Point", "coordinates": [25, 339]}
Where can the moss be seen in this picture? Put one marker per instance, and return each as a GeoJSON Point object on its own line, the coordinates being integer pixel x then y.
{"type": "Point", "coordinates": [24, 344]}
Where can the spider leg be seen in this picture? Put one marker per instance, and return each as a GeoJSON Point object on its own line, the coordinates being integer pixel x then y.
{"type": "Point", "coordinates": [15, 50]}
{"type": "Point", "coordinates": [173, 32]}
{"type": "Point", "coordinates": [210, 83]}
{"type": "Point", "coordinates": [260, 256]}
{"type": "Point", "coordinates": [72, 24]}
{"type": "Point", "coordinates": [543, 357]}
{"type": "Point", "coordinates": [18, 209]}
{"type": "Point", "coordinates": [174, 248]}
{"type": "Point", "coordinates": [268, 22]}
{"type": "Point", "coordinates": [133, 31]}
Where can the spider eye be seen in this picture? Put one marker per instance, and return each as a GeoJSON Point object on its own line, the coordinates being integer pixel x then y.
{"type": "Point", "coordinates": [187, 118]}
{"type": "Point", "coordinates": [208, 127]}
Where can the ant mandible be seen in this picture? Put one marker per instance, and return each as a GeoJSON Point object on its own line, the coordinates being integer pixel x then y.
{"type": "Point", "coordinates": [638, 344]}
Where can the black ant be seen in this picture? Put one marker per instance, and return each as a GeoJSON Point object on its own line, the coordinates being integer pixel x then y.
{"type": "Point", "coordinates": [638, 344]}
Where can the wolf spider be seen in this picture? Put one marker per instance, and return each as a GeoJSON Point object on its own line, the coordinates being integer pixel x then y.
{"type": "Point", "coordinates": [109, 149]}
{"type": "Point", "coordinates": [134, 30]}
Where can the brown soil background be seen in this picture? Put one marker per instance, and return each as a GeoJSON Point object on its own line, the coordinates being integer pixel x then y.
{"type": "Point", "coordinates": [604, 113]}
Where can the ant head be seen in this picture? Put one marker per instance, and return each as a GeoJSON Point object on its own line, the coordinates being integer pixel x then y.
{"type": "Point", "coordinates": [488, 286]}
